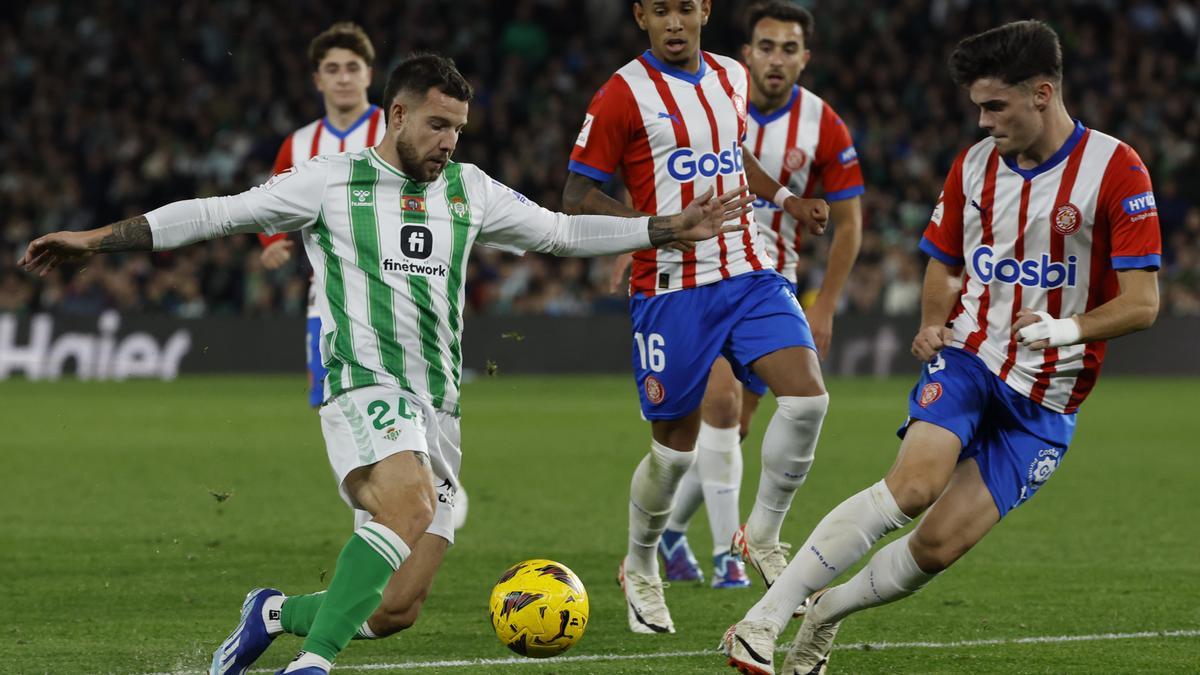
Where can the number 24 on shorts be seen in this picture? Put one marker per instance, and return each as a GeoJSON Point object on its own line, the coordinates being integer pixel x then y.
{"type": "Point", "coordinates": [650, 351]}
{"type": "Point", "coordinates": [378, 409]}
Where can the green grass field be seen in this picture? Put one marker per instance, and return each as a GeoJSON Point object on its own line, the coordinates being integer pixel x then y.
{"type": "Point", "coordinates": [116, 556]}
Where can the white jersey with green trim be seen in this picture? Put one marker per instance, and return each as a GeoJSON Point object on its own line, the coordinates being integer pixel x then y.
{"type": "Point", "coordinates": [389, 256]}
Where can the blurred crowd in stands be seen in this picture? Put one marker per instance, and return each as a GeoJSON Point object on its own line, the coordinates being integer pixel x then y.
{"type": "Point", "coordinates": [112, 108]}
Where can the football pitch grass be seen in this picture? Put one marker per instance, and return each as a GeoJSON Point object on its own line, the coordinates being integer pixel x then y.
{"type": "Point", "coordinates": [137, 515]}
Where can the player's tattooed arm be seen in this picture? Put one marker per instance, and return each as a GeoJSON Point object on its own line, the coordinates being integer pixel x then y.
{"type": "Point", "coordinates": [582, 195]}
{"type": "Point", "coordinates": [662, 230]}
{"type": "Point", "coordinates": [49, 251]}
{"type": "Point", "coordinates": [131, 234]}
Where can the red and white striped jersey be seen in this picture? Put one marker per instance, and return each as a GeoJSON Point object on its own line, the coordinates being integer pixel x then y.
{"type": "Point", "coordinates": [673, 134]}
{"type": "Point", "coordinates": [803, 144]}
{"type": "Point", "coordinates": [319, 137]}
{"type": "Point", "coordinates": [1049, 238]}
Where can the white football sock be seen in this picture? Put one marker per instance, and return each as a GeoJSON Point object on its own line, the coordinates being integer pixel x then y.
{"type": "Point", "coordinates": [841, 539]}
{"type": "Point", "coordinates": [787, 455]}
{"type": "Point", "coordinates": [890, 574]}
{"type": "Point", "coordinates": [719, 463]}
{"type": "Point", "coordinates": [306, 659]}
{"type": "Point", "coordinates": [651, 493]}
{"type": "Point", "coordinates": [271, 608]}
{"type": "Point", "coordinates": [688, 497]}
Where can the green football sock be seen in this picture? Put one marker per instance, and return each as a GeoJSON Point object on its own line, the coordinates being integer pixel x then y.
{"type": "Point", "coordinates": [366, 563]}
{"type": "Point", "coordinates": [298, 612]}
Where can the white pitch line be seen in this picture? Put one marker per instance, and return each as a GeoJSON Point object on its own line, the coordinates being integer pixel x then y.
{"type": "Point", "coordinates": [864, 646]}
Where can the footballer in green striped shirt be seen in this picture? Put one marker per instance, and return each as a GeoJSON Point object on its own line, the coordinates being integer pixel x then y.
{"type": "Point", "coordinates": [388, 231]}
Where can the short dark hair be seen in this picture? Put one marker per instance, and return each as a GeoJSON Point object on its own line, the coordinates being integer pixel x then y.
{"type": "Point", "coordinates": [780, 11]}
{"type": "Point", "coordinates": [420, 72]}
{"type": "Point", "coordinates": [344, 35]}
{"type": "Point", "coordinates": [1013, 53]}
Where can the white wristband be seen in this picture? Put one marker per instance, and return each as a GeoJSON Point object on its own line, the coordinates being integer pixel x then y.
{"type": "Point", "coordinates": [1058, 332]}
{"type": "Point", "coordinates": [782, 196]}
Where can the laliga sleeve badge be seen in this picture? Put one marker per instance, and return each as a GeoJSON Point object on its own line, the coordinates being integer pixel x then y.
{"type": "Point", "coordinates": [654, 390]}
{"type": "Point", "coordinates": [932, 392]}
{"type": "Point", "coordinates": [1066, 219]}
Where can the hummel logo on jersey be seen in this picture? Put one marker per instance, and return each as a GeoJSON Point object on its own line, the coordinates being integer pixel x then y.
{"type": "Point", "coordinates": [1042, 273]}
{"type": "Point", "coordinates": [362, 198]}
{"type": "Point", "coordinates": [416, 241]}
{"type": "Point", "coordinates": [668, 116]}
{"type": "Point", "coordinates": [684, 164]}
{"type": "Point", "coordinates": [1139, 203]}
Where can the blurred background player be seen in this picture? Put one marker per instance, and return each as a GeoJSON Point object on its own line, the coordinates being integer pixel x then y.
{"type": "Point", "coordinates": [801, 141]}
{"type": "Point", "coordinates": [673, 121]}
{"type": "Point", "coordinates": [1055, 228]}
{"type": "Point", "coordinates": [342, 58]}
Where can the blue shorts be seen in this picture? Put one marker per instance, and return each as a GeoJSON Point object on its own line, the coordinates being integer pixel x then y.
{"type": "Point", "coordinates": [678, 335]}
{"type": "Point", "coordinates": [316, 370]}
{"type": "Point", "coordinates": [753, 382]}
{"type": "Point", "coordinates": [1017, 443]}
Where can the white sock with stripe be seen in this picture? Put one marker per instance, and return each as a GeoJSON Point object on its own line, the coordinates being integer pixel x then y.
{"type": "Point", "coordinates": [386, 543]}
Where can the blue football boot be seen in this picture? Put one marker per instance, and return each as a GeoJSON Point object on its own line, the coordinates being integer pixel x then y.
{"type": "Point", "coordinates": [729, 572]}
{"type": "Point", "coordinates": [681, 563]}
{"type": "Point", "coordinates": [248, 641]}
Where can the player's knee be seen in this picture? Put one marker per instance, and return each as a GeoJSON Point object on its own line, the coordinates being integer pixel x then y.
{"type": "Point", "coordinates": [803, 409]}
{"type": "Point", "coordinates": [722, 406]}
{"type": "Point", "coordinates": [914, 496]}
{"type": "Point", "coordinates": [934, 549]}
{"type": "Point", "coordinates": [408, 519]}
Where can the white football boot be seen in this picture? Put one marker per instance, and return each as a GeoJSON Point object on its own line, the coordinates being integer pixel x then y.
{"type": "Point", "coordinates": [809, 653]}
{"type": "Point", "coordinates": [645, 601]}
{"type": "Point", "coordinates": [750, 646]}
{"type": "Point", "coordinates": [770, 561]}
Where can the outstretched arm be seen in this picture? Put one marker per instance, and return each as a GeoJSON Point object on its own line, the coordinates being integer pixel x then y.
{"type": "Point", "coordinates": [46, 253]}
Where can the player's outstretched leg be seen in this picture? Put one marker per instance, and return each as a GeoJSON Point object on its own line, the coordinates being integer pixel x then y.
{"type": "Point", "coordinates": [252, 635]}
{"type": "Point", "coordinates": [960, 518]}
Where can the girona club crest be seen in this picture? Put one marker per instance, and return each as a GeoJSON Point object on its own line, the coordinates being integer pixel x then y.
{"type": "Point", "coordinates": [654, 390]}
{"type": "Point", "coordinates": [739, 104]}
{"type": "Point", "coordinates": [794, 159]}
{"type": "Point", "coordinates": [1066, 219]}
{"type": "Point", "coordinates": [931, 393]}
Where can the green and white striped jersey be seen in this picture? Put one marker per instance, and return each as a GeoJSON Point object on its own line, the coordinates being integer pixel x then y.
{"type": "Point", "coordinates": [390, 256]}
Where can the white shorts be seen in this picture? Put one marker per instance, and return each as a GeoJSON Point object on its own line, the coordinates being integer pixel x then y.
{"type": "Point", "coordinates": [365, 425]}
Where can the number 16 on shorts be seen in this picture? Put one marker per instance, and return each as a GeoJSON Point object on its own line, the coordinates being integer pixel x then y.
{"type": "Point", "coordinates": [650, 351]}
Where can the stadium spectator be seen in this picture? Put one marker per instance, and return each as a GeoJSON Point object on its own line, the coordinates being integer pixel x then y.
{"type": "Point", "coordinates": [123, 111]}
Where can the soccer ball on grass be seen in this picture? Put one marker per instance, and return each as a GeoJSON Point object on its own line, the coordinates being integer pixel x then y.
{"type": "Point", "coordinates": [539, 608]}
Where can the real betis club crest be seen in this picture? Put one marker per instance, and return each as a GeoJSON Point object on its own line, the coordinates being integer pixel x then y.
{"type": "Point", "coordinates": [458, 206]}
